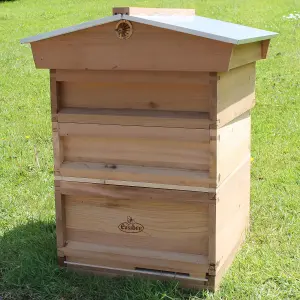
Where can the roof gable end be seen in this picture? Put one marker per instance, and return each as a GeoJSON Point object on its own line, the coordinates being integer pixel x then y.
{"type": "Point", "coordinates": [199, 26]}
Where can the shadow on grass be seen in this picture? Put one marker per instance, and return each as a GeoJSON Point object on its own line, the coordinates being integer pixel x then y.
{"type": "Point", "coordinates": [28, 270]}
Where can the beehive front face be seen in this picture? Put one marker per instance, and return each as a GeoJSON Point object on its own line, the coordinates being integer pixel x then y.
{"type": "Point", "coordinates": [152, 170]}
{"type": "Point", "coordinates": [134, 126]}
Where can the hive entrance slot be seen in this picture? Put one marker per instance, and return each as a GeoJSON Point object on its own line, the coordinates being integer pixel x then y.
{"type": "Point", "coordinates": [162, 272]}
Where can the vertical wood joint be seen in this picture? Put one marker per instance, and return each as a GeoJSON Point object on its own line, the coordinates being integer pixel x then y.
{"type": "Point", "coordinates": [213, 151]}
{"type": "Point", "coordinates": [60, 220]}
{"type": "Point", "coordinates": [55, 103]}
{"type": "Point", "coordinates": [213, 78]}
{"type": "Point", "coordinates": [212, 242]}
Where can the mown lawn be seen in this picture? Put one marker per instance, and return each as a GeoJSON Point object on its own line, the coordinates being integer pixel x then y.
{"type": "Point", "coordinates": [267, 267]}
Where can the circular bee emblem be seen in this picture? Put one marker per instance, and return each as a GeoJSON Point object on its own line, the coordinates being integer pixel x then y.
{"type": "Point", "coordinates": [124, 29]}
{"type": "Point", "coordinates": [131, 226]}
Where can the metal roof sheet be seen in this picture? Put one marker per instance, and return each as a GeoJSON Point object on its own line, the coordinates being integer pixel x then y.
{"type": "Point", "coordinates": [203, 27]}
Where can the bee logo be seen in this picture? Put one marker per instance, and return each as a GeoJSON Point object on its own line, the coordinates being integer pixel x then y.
{"type": "Point", "coordinates": [131, 226]}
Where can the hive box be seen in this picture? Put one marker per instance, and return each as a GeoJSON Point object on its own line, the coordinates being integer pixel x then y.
{"type": "Point", "coordinates": [151, 136]}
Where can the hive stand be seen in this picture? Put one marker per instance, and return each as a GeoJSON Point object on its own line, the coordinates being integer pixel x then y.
{"type": "Point", "coordinates": [151, 137]}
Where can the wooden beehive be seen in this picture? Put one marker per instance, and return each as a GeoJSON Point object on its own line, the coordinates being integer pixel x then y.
{"type": "Point", "coordinates": [151, 135]}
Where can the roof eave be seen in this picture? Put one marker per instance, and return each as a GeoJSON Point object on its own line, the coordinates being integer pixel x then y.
{"type": "Point", "coordinates": [70, 29]}
{"type": "Point", "coordinates": [257, 39]}
{"type": "Point", "coordinates": [141, 20]}
{"type": "Point", "coordinates": [197, 32]}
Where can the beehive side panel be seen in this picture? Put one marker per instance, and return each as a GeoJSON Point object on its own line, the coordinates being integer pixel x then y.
{"type": "Point", "coordinates": [233, 146]}
{"type": "Point", "coordinates": [232, 214]}
{"type": "Point", "coordinates": [235, 93]}
{"type": "Point", "coordinates": [149, 48]}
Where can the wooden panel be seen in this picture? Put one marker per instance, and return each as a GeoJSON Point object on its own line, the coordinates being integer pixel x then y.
{"type": "Point", "coordinates": [245, 54]}
{"type": "Point", "coordinates": [135, 117]}
{"type": "Point", "coordinates": [232, 212]}
{"type": "Point", "coordinates": [184, 79]}
{"type": "Point", "coordinates": [123, 262]}
{"type": "Point", "coordinates": [138, 175]}
{"type": "Point", "coordinates": [182, 226]}
{"type": "Point", "coordinates": [136, 96]}
{"type": "Point", "coordinates": [134, 132]}
{"type": "Point", "coordinates": [215, 281]}
{"type": "Point", "coordinates": [168, 256]}
{"type": "Point", "coordinates": [137, 194]}
{"type": "Point", "coordinates": [142, 242]}
{"type": "Point", "coordinates": [149, 48]}
{"type": "Point", "coordinates": [84, 266]}
{"type": "Point", "coordinates": [91, 256]}
{"type": "Point", "coordinates": [232, 195]}
{"type": "Point", "coordinates": [236, 93]}
{"type": "Point", "coordinates": [125, 192]}
{"type": "Point", "coordinates": [153, 11]}
{"type": "Point", "coordinates": [228, 237]}
{"type": "Point", "coordinates": [233, 145]}
{"type": "Point", "coordinates": [137, 183]}
{"type": "Point", "coordinates": [144, 146]}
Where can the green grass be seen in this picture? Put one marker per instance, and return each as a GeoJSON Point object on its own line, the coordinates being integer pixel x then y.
{"type": "Point", "coordinates": [267, 267]}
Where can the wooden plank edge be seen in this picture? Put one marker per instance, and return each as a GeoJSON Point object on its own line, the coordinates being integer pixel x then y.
{"type": "Point", "coordinates": [142, 118]}
{"type": "Point", "coordinates": [72, 246]}
{"type": "Point", "coordinates": [138, 184]}
{"type": "Point", "coordinates": [117, 270]}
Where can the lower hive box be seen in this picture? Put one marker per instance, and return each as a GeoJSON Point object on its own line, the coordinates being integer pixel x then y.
{"type": "Point", "coordinates": [121, 230]}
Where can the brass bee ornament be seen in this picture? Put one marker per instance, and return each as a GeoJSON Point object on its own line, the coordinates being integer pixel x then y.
{"type": "Point", "coordinates": [124, 29]}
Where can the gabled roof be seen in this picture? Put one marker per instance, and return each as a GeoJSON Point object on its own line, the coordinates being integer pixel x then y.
{"type": "Point", "coordinates": [199, 26]}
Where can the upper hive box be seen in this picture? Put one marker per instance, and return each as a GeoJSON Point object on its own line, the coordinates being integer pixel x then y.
{"type": "Point", "coordinates": [151, 134]}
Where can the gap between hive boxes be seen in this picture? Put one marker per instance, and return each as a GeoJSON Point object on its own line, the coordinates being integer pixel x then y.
{"type": "Point", "coordinates": [151, 184]}
{"type": "Point", "coordinates": [137, 184]}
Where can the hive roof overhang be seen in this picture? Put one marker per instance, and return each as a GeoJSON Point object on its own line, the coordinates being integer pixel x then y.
{"type": "Point", "coordinates": [195, 25]}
